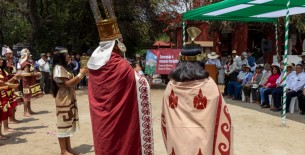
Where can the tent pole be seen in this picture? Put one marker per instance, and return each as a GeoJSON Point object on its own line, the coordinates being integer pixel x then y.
{"type": "Point", "coordinates": [276, 38]}
{"type": "Point", "coordinates": [285, 63]}
{"type": "Point", "coordinates": [183, 33]}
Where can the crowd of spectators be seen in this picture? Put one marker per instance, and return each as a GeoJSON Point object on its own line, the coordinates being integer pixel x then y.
{"type": "Point", "coordinates": [264, 84]}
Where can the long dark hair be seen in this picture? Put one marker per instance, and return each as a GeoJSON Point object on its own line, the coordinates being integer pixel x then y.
{"type": "Point", "coordinates": [277, 68]}
{"type": "Point", "coordinates": [188, 71]}
{"type": "Point", "coordinates": [229, 62]}
{"type": "Point", "coordinates": [58, 59]}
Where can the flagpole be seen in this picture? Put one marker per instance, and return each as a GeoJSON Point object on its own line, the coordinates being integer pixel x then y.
{"type": "Point", "coordinates": [285, 63]}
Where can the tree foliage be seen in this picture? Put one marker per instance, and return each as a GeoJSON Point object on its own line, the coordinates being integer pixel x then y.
{"type": "Point", "coordinates": [44, 24]}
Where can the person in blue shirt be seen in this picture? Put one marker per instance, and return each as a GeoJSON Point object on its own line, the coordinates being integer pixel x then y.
{"type": "Point", "coordinates": [251, 59]}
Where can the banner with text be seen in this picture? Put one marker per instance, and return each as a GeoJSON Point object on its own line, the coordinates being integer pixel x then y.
{"type": "Point", "coordinates": [161, 61]}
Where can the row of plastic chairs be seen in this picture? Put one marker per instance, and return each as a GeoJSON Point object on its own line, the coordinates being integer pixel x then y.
{"type": "Point", "coordinates": [294, 106]}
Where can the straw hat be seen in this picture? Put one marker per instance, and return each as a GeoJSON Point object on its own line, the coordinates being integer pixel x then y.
{"type": "Point", "coordinates": [25, 53]}
{"type": "Point", "coordinates": [302, 55]}
{"type": "Point", "coordinates": [244, 54]}
{"type": "Point", "coordinates": [248, 67]}
{"type": "Point", "coordinates": [213, 55]}
{"type": "Point", "coordinates": [234, 52]}
{"type": "Point", "coordinates": [138, 56]}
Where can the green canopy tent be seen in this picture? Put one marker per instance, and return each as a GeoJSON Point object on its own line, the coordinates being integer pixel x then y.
{"type": "Point", "coordinates": [246, 10]}
{"type": "Point", "coordinates": [250, 11]}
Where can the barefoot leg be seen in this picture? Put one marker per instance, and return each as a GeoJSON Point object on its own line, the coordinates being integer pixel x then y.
{"type": "Point", "coordinates": [6, 127]}
{"type": "Point", "coordinates": [68, 146]}
{"type": "Point", "coordinates": [30, 109]}
{"type": "Point", "coordinates": [26, 109]}
{"type": "Point", "coordinates": [63, 148]}
{"type": "Point", "coordinates": [13, 119]}
{"type": "Point", "coordinates": [2, 137]}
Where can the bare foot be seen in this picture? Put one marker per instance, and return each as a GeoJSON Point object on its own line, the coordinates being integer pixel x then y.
{"type": "Point", "coordinates": [74, 152]}
{"type": "Point", "coordinates": [66, 153]}
{"type": "Point", "coordinates": [14, 121]}
{"type": "Point", "coordinates": [27, 115]}
{"type": "Point", "coordinates": [9, 130]}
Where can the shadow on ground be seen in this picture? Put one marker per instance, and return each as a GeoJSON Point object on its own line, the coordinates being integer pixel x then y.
{"type": "Point", "coordinates": [14, 138]}
{"type": "Point", "coordinates": [42, 112]}
{"type": "Point", "coordinates": [84, 148]}
{"type": "Point", "coordinates": [290, 116]}
{"type": "Point", "coordinates": [28, 120]}
{"type": "Point", "coordinates": [30, 128]}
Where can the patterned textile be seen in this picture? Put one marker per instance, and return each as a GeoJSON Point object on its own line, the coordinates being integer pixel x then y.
{"type": "Point", "coordinates": [4, 98]}
{"type": "Point", "coordinates": [4, 104]}
{"type": "Point", "coordinates": [120, 109]}
{"type": "Point", "coordinates": [31, 88]}
{"type": "Point", "coordinates": [66, 106]}
{"type": "Point", "coordinates": [195, 119]}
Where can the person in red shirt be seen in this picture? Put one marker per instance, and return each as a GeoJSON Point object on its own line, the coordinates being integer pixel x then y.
{"type": "Point", "coordinates": [271, 83]}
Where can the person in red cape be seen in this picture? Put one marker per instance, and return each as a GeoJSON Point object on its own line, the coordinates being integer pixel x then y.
{"type": "Point", "coordinates": [119, 99]}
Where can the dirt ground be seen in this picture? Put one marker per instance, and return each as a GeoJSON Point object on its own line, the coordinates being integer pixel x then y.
{"type": "Point", "coordinates": [256, 131]}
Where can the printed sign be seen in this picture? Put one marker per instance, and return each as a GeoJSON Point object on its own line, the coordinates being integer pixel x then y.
{"type": "Point", "coordinates": [161, 61]}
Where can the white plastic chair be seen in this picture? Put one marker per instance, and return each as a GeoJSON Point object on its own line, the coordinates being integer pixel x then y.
{"type": "Point", "coordinates": [271, 100]}
{"type": "Point", "coordinates": [243, 97]}
{"type": "Point", "coordinates": [293, 104]}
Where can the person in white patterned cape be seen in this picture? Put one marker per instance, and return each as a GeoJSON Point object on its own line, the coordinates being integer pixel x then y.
{"type": "Point", "coordinates": [195, 118]}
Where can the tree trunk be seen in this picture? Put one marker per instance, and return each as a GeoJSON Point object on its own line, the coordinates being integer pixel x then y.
{"type": "Point", "coordinates": [33, 18]}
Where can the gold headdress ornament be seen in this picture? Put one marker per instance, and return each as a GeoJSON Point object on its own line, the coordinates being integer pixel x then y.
{"type": "Point", "coordinates": [108, 28]}
{"type": "Point", "coordinates": [193, 32]}
{"type": "Point", "coordinates": [187, 53]}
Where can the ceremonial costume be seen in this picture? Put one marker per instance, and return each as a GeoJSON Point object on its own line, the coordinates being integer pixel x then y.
{"type": "Point", "coordinates": [31, 89]}
{"type": "Point", "coordinates": [119, 99]}
{"type": "Point", "coordinates": [195, 119]}
{"type": "Point", "coordinates": [4, 98]}
{"type": "Point", "coordinates": [66, 105]}
{"type": "Point", "coordinates": [10, 70]}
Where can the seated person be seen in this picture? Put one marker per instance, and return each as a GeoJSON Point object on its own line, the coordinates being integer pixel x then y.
{"type": "Point", "coordinates": [245, 80]}
{"type": "Point", "coordinates": [232, 84]}
{"type": "Point", "coordinates": [271, 83]}
{"type": "Point", "coordinates": [277, 92]}
{"type": "Point", "coordinates": [252, 85]}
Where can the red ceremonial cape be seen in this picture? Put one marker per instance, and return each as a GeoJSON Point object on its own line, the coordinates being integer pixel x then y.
{"type": "Point", "coordinates": [114, 112]}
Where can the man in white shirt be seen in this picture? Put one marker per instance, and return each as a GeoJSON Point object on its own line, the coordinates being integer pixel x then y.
{"type": "Point", "coordinates": [296, 85]}
{"type": "Point", "coordinates": [44, 68]}
{"type": "Point", "coordinates": [213, 60]}
{"type": "Point", "coordinates": [235, 56]}
{"type": "Point", "coordinates": [242, 60]}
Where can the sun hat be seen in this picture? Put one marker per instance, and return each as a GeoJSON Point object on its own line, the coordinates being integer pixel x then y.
{"type": "Point", "coordinates": [213, 55]}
